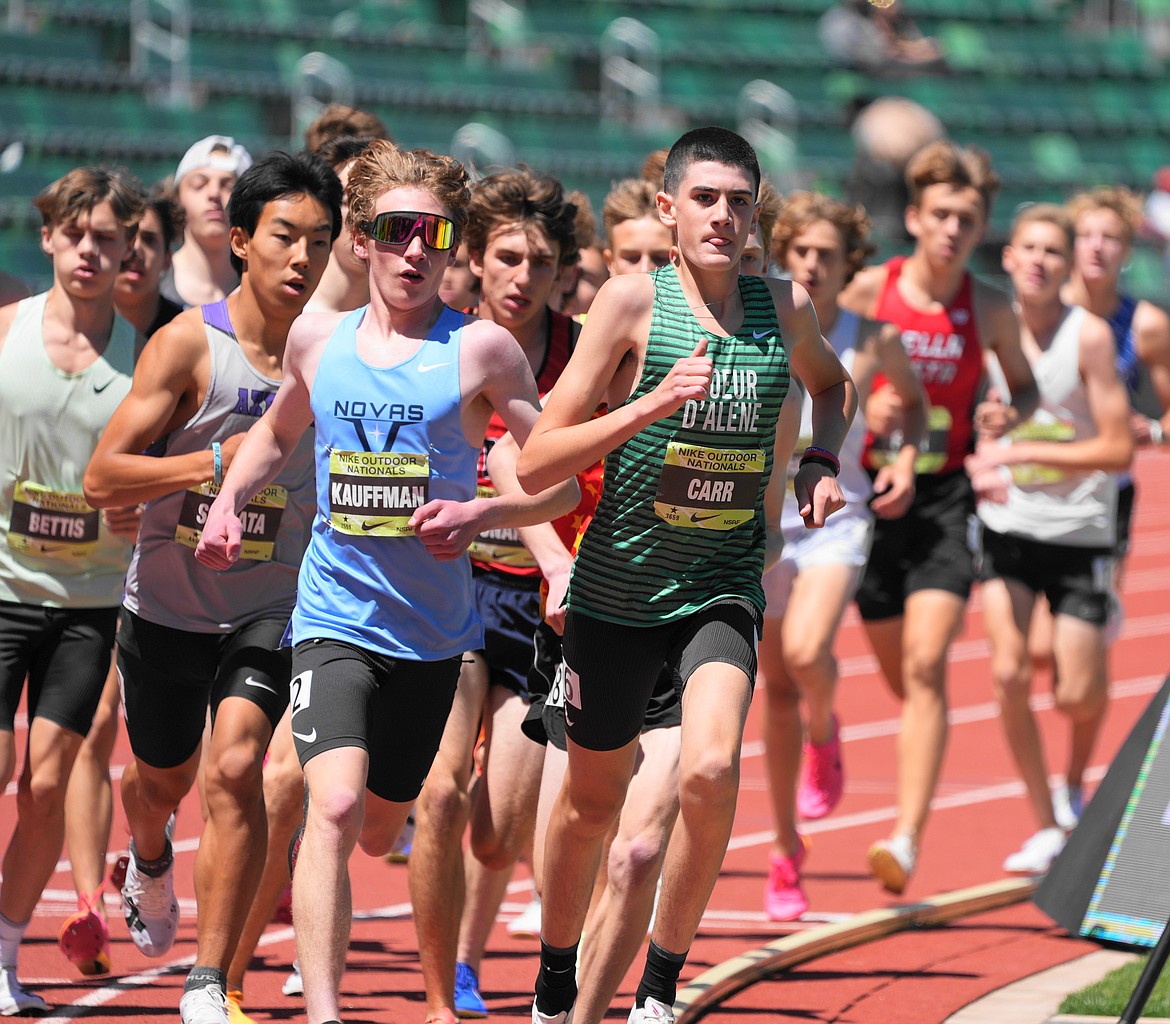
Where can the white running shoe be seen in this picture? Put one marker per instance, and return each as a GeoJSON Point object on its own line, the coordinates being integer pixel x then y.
{"type": "Point", "coordinates": [207, 1005]}
{"type": "Point", "coordinates": [1035, 857]}
{"type": "Point", "coordinates": [14, 1000]}
{"type": "Point", "coordinates": [892, 862]}
{"type": "Point", "coordinates": [564, 1017]}
{"type": "Point", "coordinates": [150, 908]}
{"type": "Point", "coordinates": [526, 924]}
{"type": "Point", "coordinates": [1068, 803]}
{"type": "Point", "coordinates": [651, 1012]}
{"type": "Point", "coordinates": [294, 984]}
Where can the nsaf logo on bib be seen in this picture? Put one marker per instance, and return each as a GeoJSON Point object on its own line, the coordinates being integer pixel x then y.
{"type": "Point", "coordinates": [374, 494]}
{"type": "Point", "coordinates": [709, 488]}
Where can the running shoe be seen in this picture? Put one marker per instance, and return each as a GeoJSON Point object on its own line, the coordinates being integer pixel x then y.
{"type": "Point", "coordinates": [1035, 857]}
{"type": "Point", "coordinates": [150, 907]}
{"type": "Point", "coordinates": [1068, 803]}
{"type": "Point", "coordinates": [15, 1001]}
{"type": "Point", "coordinates": [822, 777]}
{"type": "Point", "coordinates": [235, 1012]}
{"type": "Point", "coordinates": [469, 1003]}
{"type": "Point", "coordinates": [892, 861]}
{"type": "Point", "coordinates": [784, 898]}
{"type": "Point", "coordinates": [85, 940]}
{"type": "Point", "coordinates": [294, 985]}
{"type": "Point", "coordinates": [564, 1017]}
{"type": "Point", "coordinates": [526, 924]}
{"type": "Point", "coordinates": [400, 851]}
{"type": "Point", "coordinates": [206, 1005]}
{"type": "Point", "coordinates": [651, 1012]}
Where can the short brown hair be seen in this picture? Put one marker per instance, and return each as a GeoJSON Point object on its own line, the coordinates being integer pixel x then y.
{"type": "Point", "coordinates": [1044, 213]}
{"type": "Point", "coordinates": [945, 163]}
{"type": "Point", "coordinates": [770, 204]}
{"type": "Point", "coordinates": [526, 198]}
{"type": "Point", "coordinates": [804, 208]}
{"type": "Point", "coordinates": [82, 188]}
{"type": "Point", "coordinates": [629, 199]}
{"type": "Point", "coordinates": [585, 223]}
{"type": "Point", "coordinates": [1120, 200]}
{"type": "Point", "coordinates": [383, 166]}
{"type": "Point", "coordinates": [654, 168]}
{"type": "Point", "coordinates": [339, 119]}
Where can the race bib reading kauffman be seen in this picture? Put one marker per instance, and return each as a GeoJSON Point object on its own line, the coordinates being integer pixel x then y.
{"type": "Point", "coordinates": [51, 524]}
{"type": "Point", "coordinates": [709, 488]}
{"type": "Point", "coordinates": [374, 494]}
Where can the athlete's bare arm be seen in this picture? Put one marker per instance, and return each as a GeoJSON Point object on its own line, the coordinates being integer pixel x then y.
{"type": "Point", "coordinates": [7, 315]}
{"type": "Point", "coordinates": [999, 331]}
{"type": "Point", "coordinates": [494, 377]}
{"type": "Point", "coordinates": [268, 444]}
{"type": "Point", "coordinates": [834, 399]}
{"type": "Point", "coordinates": [1151, 329]}
{"type": "Point", "coordinates": [882, 350]}
{"type": "Point", "coordinates": [861, 295]}
{"type": "Point", "coordinates": [170, 381]}
{"type": "Point", "coordinates": [604, 368]}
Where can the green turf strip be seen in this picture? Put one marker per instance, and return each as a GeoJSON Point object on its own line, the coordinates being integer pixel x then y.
{"type": "Point", "coordinates": [1109, 996]}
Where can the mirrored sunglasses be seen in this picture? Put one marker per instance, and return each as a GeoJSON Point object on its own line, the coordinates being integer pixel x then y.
{"type": "Point", "coordinates": [400, 226]}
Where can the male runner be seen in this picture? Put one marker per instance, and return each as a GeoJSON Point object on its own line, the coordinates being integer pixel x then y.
{"type": "Point", "coordinates": [65, 364]}
{"type": "Point", "coordinates": [693, 364]}
{"type": "Point", "coordinates": [191, 638]}
{"type": "Point", "coordinates": [1055, 531]}
{"type": "Point", "coordinates": [136, 291]}
{"type": "Point", "coordinates": [920, 571]}
{"type": "Point", "coordinates": [400, 394]}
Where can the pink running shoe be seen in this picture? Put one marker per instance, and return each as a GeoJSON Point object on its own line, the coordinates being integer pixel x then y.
{"type": "Point", "coordinates": [784, 898]}
{"type": "Point", "coordinates": [822, 777]}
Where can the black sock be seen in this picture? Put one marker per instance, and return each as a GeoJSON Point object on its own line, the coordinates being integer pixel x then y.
{"type": "Point", "coordinates": [201, 977]}
{"type": "Point", "coordinates": [154, 868]}
{"type": "Point", "coordinates": [556, 984]}
{"type": "Point", "coordinates": [660, 976]}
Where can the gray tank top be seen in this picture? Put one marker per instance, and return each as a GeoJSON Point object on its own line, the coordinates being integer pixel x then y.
{"type": "Point", "coordinates": [165, 584]}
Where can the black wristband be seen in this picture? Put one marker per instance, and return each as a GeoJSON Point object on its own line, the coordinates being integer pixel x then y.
{"type": "Point", "coordinates": [821, 460]}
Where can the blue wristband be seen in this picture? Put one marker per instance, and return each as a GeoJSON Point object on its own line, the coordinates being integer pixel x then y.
{"type": "Point", "coordinates": [217, 458]}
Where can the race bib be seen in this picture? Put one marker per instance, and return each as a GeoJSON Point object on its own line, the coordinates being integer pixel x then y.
{"type": "Point", "coordinates": [1028, 474]}
{"type": "Point", "coordinates": [374, 494]}
{"type": "Point", "coordinates": [502, 546]}
{"type": "Point", "coordinates": [51, 524]}
{"type": "Point", "coordinates": [933, 454]}
{"type": "Point", "coordinates": [709, 488]}
{"type": "Point", "coordinates": [260, 519]}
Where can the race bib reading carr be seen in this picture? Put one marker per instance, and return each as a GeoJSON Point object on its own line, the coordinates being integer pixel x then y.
{"type": "Point", "coordinates": [374, 494]}
{"type": "Point", "coordinates": [51, 524]}
{"type": "Point", "coordinates": [260, 519]}
{"type": "Point", "coordinates": [709, 488]}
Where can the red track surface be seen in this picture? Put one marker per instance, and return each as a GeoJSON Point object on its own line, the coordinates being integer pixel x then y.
{"type": "Point", "coordinates": [920, 976]}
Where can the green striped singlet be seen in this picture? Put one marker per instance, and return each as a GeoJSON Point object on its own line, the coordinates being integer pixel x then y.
{"type": "Point", "coordinates": [681, 521]}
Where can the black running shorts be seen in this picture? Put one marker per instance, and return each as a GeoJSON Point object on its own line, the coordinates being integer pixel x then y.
{"type": "Point", "coordinates": [170, 676]}
{"type": "Point", "coordinates": [394, 709]}
{"type": "Point", "coordinates": [64, 653]}
{"type": "Point", "coordinates": [509, 606]}
{"type": "Point", "coordinates": [613, 668]}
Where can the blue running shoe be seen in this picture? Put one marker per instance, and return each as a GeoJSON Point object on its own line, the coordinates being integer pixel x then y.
{"type": "Point", "coordinates": [468, 1002]}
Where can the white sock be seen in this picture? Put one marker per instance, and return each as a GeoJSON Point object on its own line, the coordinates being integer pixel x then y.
{"type": "Point", "coordinates": [10, 935]}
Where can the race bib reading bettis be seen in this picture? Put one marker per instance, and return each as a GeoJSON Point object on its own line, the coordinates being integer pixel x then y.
{"type": "Point", "coordinates": [51, 524]}
{"type": "Point", "coordinates": [374, 494]}
{"type": "Point", "coordinates": [260, 519]}
{"type": "Point", "coordinates": [709, 488]}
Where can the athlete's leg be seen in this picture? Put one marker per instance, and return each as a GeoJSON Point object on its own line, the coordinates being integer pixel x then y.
{"type": "Point", "coordinates": [322, 900]}
{"type": "Point", "coordinates": [503, 816]}
{"type": "Point", "coordinates": [885, 639]}
{"type": "Point", "coordinates": [621, 918]}
{"type": "Point", "coordinates": [1082, 686]}
{"type": "Point", "coordinates": [89, 799]}
{"type": "Point", "coordinates": [1007, 613]}
{"type": "Point", "coordinates": [436, 858]}
{"type": "Point", "coordinates": [552, 778]}
{"type": "Point", "coordinates": [783, 734]}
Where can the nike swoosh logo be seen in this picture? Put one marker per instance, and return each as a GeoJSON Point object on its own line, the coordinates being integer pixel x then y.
{"type": "Point", "coordinates": [263, 686]}
{"type": "Point", "coordinates": [309, 738]}
{"type": "Point", "coordinates": [98, 391]}
{"type": "Point", "coordinates": [760, 334]}
{"type": "Point", "coordinates": [367, 526]}
{"type": "Point", "coordinates": [427, 367]}
{"type": "Point", "coordinates": [702, 519]}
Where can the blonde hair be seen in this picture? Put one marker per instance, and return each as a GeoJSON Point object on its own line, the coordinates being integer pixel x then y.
{"type": "Point", "coordinates": [1120, 200]}
{"type": "Point", "coordinates": [945, 163]}
{"type": "Point", "coordinates": [1044, 213]}
{"type": "Point", "coordinates": [383, 166]}
{"type": "Point", "coordinates": [629, 199]}
{"type": "Point", "coordinates": [654, 167]}
{"type": "Point", "coordinates": [804, 208]}
{"type": "Point", "coordinates": [82, 188]}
